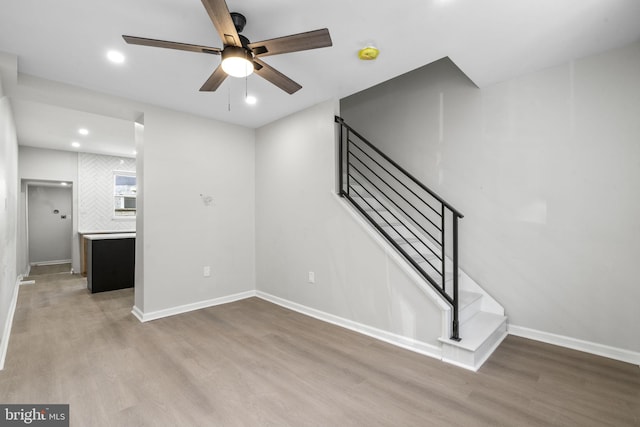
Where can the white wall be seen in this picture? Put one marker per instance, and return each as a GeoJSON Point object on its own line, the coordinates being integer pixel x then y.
{"type": "Point", "coordinates": [37, 164]}
{"type": "Point", "coordinates": [95, 193]}
{"type": "Point", "coordinates": [8, 218]}
{"type": "Point", "coordinates": [139, 269]}
{"type": "Point", "coordinates": [198, 192]}
{"type": "Point", "coordinates": [301, 226]}
{"type": "Point", "coordinates": [546, 169]}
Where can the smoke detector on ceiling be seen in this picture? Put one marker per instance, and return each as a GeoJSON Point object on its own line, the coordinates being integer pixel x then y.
{"type": "Point", "coordinates": [368, 53]}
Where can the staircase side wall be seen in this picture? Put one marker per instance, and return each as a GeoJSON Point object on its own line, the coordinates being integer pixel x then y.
{"type": "Point", "coordinates": [545, 169]}
{"type": "Point", "coordinates": [302, 227]}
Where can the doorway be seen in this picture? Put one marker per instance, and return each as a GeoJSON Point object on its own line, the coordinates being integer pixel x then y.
{"type": "Point", "coordinates": [49, 223]}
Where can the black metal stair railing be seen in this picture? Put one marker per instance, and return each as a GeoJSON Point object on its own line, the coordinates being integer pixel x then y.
{"type": "Point", "coordinates": [421, 225]}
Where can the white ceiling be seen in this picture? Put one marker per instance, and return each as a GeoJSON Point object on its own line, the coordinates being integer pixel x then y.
{"type": "Point", "coordinates": [48, 126]}
{"type": "Point", "coordinates": [490, 40]}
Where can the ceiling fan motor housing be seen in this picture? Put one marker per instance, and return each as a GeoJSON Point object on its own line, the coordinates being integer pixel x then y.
{"type": "Point", "coordinates": [239, 21]}
{"type": "Point", "coordinates": [245, 41]}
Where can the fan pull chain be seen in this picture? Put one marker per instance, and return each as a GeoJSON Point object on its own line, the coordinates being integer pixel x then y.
{"type": "Point", "coordinates": [229, 99]}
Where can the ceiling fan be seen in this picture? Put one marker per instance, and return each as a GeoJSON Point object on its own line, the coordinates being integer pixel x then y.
{"type": "Point", "coordinates": [240, 57]}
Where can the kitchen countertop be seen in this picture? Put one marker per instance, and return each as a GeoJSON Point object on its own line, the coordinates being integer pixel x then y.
{"type": "Point", "coordinates": [84, 232]}
{"type": "Point", "coordinates": [110, 236]}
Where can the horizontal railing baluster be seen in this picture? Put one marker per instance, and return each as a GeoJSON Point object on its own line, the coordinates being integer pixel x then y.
{"type": "Point", "coordinates": [400, 168]}
{"type": "Point", "coordinates": [398, 193]}
{"type": "Point", "coordinates": [399, 208]}
{"type": "Point", "coordinates": [396, 178]}
{"type": "Point", "coordinates": [399, 234]}
{"type": "Point", "coordinates": [364, 168]}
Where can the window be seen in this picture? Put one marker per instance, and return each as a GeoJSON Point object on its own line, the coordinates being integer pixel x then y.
{"type": "Point", "coordinates": [124, 185]}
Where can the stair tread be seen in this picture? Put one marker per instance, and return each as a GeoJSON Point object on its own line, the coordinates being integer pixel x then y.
{"type": "Point", "coordinates": [467, 298]}
{"type": "Point", "coordinates": [394, 224]}
{"type": "Point", "coordinates": [417, 244]}
{"type": "Point", "coordinates": [412, 240]}
{"type": "Point", "coordinates": [361, 195]}
{"type": "Point", "coordinates": [475, 331]}
{"type": "Point", "coordinates": [427, 255]}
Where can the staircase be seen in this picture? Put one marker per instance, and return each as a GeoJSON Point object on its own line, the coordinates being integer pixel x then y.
{"type": "Point", "coordinates": [423, 229]}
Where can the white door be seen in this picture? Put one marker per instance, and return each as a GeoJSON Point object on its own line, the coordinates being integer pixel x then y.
{"type": "Point", "coordinates": [49, 224]}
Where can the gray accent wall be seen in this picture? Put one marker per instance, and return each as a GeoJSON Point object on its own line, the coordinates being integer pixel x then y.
{"type": "Point", "coordinates": [49, 223]}
{"type": "Point", "coordinates": [546, 169]}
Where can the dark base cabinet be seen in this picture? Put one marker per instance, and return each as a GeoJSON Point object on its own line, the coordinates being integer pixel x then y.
{"type": "Point", "coordinates": [110, 264]}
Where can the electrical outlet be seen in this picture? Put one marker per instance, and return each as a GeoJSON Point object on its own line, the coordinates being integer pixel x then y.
{"type": "Point", "coordinates": [206, 271]}
{"type": "Point", "coordinates": [312, 277]}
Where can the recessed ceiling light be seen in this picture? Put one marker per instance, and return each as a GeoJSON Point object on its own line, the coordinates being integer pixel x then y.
{"type": "Point", "coordinates": [64, 183]}
{"type": "Point", "coordinates": [75, 144]}
{"type": "Point", "coordinates": [115, 57]}
{"type": "Point", "coordinates": [251, 100]}
{"type": "Point", "coordinates": [135, 152]}
{"type": "Point", "coordinates": [83, 131]}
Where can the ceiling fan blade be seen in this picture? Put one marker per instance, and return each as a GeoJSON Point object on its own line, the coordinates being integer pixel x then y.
{"type": "Point", "coordinates": [214, 81]}
{"type": "Point", "coordinates": [293, 43]}
{"type": "Point", "coordinates": [221, 18]}
{"type": "Point", "coordinates": [276, 77]}
{"type": "Point", "coordinates": [171, 45]}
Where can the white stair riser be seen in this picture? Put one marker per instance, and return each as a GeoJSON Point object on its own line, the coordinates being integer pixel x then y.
{"type": "Point", "coordinates": [473, 360]}
{"type": "Point", "coordinates": [472, 351]}
{"type": "Point", "coordinates": [470, 310]}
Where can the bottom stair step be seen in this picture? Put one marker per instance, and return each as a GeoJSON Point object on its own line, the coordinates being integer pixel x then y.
{"type": "Point", "coordinates": [477, 329]}
{"type": "Point", "coordinates": [480, 336]}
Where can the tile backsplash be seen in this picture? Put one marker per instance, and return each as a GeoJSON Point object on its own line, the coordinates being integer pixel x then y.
{"type": "Point", "coordinates": [96, 192]}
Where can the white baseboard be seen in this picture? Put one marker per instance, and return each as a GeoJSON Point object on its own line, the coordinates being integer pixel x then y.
{"type": "Point", "coordinates": [137, 313]}
{"type": "Point", "coordinates": [388, 337]}
{"type": "Point", "coordinates": [55, 262]}
{"type": "Point", "coordinates": [159, 314]}
{"type": "Point", "coordinates": [576, 344]}
{"type": "Point", "coordinates": [6, 333]}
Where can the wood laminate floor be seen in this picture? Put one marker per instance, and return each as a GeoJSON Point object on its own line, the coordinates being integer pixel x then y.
{"type": "Point", "coordinates": [43, 270]}
{"type": "Point", "coordinates": [252, 363]}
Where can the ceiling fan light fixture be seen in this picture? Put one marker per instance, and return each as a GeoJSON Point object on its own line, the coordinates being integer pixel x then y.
{"type": "Point", "coordinates": [237, 61]}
